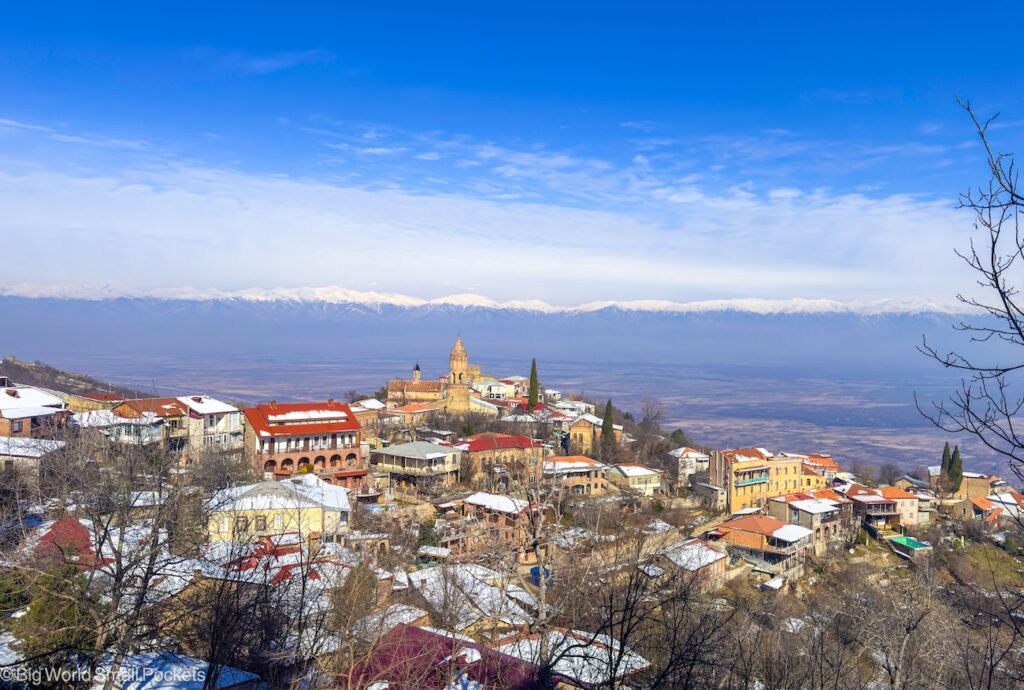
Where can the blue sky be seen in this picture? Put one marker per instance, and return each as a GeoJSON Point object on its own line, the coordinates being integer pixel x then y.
{"type": "Point", "coordinates": [572, 153]}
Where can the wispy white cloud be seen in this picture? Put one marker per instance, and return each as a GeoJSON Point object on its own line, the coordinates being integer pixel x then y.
{"type": "Point", "coordinates": [676, 228]}
{"type": "Point", "coordinates": [252, 64]}
{"type": "Point", "coordinates": [222, 229]}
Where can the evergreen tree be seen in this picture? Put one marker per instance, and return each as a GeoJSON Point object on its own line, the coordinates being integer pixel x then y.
{"type": "Point", "coordinates": [944, 470]}
{"type": "Point", "coordinates": [534, 385]}
{"type": "Point", "coordinates": [60, 621]}
{"type": "Point", "coordinates": [608, 429]}
{"type": "Point", "coordinates": [956, 470]}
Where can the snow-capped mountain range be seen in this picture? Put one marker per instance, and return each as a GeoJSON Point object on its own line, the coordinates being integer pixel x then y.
{"type": "Point", "coordinates": [376, 300]}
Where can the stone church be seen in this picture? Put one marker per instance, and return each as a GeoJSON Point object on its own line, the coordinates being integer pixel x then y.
{"type": "Point", "coordinates": [449, 394]}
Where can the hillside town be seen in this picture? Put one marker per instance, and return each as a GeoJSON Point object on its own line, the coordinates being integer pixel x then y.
{"type": "Point", "coordinates": [470, 530]}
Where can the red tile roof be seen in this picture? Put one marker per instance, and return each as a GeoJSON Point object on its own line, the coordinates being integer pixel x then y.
{"type": "Point", "coordinates": [161, 407]}
{"type": "Point", "coordinates": [822, 463]}
{"type": "Point", "coordinates": [749, 453]}
{"type": "Point", "coordinates": [411, 658]}
{"type": "Point", "coordinates": [982, 503]}
{"type": "Point", "coordinates": [322, 418]}
{"type": "Point", "coordinates": [413, 408]}
{"type": "Point", "coordinates": [896, 493]}
{"type": "Point", "coordinates": [407, 386]}
{"type": "Point", "coordinates": [828, 493]}
{"type": "Point", "coordinates": [757, 524]}
{"type": "Point", "coordinates": [494, 441]}
{"type": "Point", "coordinates": [559, 459]}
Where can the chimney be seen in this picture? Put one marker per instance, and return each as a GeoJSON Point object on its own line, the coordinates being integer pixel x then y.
{"type": "Point", "coordinates": [330, 401]}
{"type": "Point", "coordinates": [273, 404]}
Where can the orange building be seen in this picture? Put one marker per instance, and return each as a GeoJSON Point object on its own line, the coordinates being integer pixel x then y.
{"type": "Point", "coordinates": [282, 438]}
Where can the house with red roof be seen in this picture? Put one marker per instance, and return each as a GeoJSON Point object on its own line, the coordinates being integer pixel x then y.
{"type": "Point", "coordinates": [326, 437]}
{"type": "Point", "coordinates": [1012, 503]}
{"type": "Point", "coordinates": [978, 508]}
{"type": "Point", "coordinates": [907, 504]}
{"type": "Point", "coordinates": [828, 518]}
{"type": "Point", "coordinates": [492, 457]}
{"type": "Point", "coordinates": [413, 658]}
{"type": "Point", "coordinates": [766, 539]}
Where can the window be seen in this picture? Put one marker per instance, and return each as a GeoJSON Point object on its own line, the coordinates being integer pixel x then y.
{"type": "Point", "coordinates": [16, 427]}
{"type": "Point", "coordinates": [261, 523]}
{"type": "Point", "coordinates": [242, 524]}
{"type": "Point", "coordinates": [278, 522]}
{"type": "Point", "coordinates": [224, 524]}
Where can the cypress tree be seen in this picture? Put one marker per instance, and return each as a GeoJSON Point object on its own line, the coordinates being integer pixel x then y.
{"type": "Point", "coordinates": [956, 470]}
{"type": "Point", "coordinates": [944, 471]}
{"type": "Point", "coordinates": [534, 385]}
{"type": "Point", "coordinates": [608, 427]}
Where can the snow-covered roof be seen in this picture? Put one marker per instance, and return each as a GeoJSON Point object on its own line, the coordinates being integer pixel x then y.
{"type": "Point", "coordinates": [22, 447]}
{"type": "Point", "coordinates": [791, 533]}
{"type": "Point", "coordinates": [422, 450]}
{"type": "Point", "coordinates": [497, 502]}
{"type": "Point", "coordinates": [290, 493]}
{"type": "Point", "coordinates": [571, 463]}
{"type": "Point", "coordinates": [520, 418]}
{"type": "Point", "coordinates": [168, 671]}
{"type": "Point", "coordinates": [433, 551]}
{"type": "Point", "coordinates": [687, 453]}
{"type": "Point", "coordinates": [815, 505]}
{"type": "Point", "coordinates": [370, 404]}
{"type": "Point", "coordinates": [204, 404]}
{"type": "Point", "coordinates": [595, 420]}
{"type": "Point", "coordinates": [651, 570]}
{"type": "Point", "coordinates": [581, 656]}
{"type": "Point", "coordinates": [304, 415]}
{"type": "Point", "coordinates": [483, 404]}
{"type": "Point", "coordinates": [635, 470]}
{"type": "Point", "coordinates": [14, 399]}
{"type": "Point", "coordinates": [471, 592]}
{"type": "Point", "coordinates": [692, 554]}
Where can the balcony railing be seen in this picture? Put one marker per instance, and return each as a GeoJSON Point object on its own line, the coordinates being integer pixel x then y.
{"type": "Point", "coordinates": [419, 471]}
{"type": "Point", "coordinates": [881, 510]}
{"type": "Point", "coordinates": [752, 480]}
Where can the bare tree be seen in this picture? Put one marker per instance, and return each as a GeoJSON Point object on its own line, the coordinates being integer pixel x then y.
{"type": "Point", "coordinates": [986, 404]}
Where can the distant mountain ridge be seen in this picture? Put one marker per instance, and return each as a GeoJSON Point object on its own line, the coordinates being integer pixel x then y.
{"type": "Point", "coordinates": [45, 376]}
{"type": "Point", "coordinates": [379, 300]}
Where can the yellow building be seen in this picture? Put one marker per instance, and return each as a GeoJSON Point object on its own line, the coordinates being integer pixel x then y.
{"type": "Point", "coordinates": [302, 504]}
{"type": "Point", "coordinates": [641, 479]}
{"type": "Point", "coordinates": [785, 474]}
{"type": "Point", "coordinates": [750, 476]}
{"type": "Point", "coordinates": [585, 433]}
